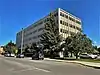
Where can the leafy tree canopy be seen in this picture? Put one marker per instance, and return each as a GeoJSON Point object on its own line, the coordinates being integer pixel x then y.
{"type": "Point", "coordinates": [78, 43]}
{"type": "Point", "coordinates": [51, 37]}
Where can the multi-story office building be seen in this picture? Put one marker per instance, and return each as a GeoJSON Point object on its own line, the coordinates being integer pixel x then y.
{"type": "Point", "coordinates": [68, 24]}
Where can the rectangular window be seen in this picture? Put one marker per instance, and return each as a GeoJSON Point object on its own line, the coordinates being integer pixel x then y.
{"type": "Point", "coordinates": [63, 23]}
{"type": "Point", "coordinates": [56, 14]}
{"type": "Point", "coordinates": [66, 23]}
{"type": "Point", "coordinates": [72, 19]}
{"type": "Point", "coordinates": [40, 29]}
{"type": "Point", "coordinates": [61, 30]}
{"type": "Point", "coordinates": [78, 22]}
{"type": "Point", "coordinates": [60, 21]}
{"type": "Point", "coordinates": [57, 21]}
{"type": "Point", "coordinates": [72, 33]}
{"type": "Point", "coordinates": [73, 26]}
{"type": "Point", "coordinates": [78, 28]}
{"type": "Point", "coordinates": [44, 20]}
{"type": "Point", "coordinates": [39, 35]}
{"type": "Point", "coordinates": [66, 16]}
{"type": "Point", "coordinates": [61, 14]}
{"type": "Point", "coordinates": [35, 31]}
{"type": "Point", "coordinates": [70, 25]}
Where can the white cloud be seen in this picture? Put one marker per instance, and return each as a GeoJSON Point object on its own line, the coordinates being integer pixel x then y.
{"type": "Point", "coordinates": [95, 42]}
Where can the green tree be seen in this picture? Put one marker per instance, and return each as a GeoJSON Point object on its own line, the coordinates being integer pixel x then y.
{"type": "Point", "coordinates": [34, 47]}
{"type": "Point", "coordinates": [27, 49]}
{"type": "Point", "coordinates": [99, 50]}
{"type": "Point", "coordinates": [51, 38]}
{"type": "Point", "coordinates": [95, 47]}
{"type": "Point", "coordinates": [30, 49]}
{"type": "Point", "coordinates": [79, 43]}
{"type": "Point", "coordinates": [68, 45]}
{"type": "Point", "coordinates": [10, 47]}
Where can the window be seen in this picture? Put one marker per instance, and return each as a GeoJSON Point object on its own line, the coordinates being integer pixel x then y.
{"type": "Point", "coordinates": [66, 23]}
{"type": "Point", "coordinates": [35, 31]}
{"type": "Point", "coordinates": [47, 19]}
{"type": "Point", "coordinates": [65, 31]}
{"type": "Point", "coordinates": [66, 16]}
{"type": "Point", "coordinates": [40, 29]}
{"type": "Point", "coordinates": [72, 33]}
{"type": "Point", "coordinates": [40, 23]}
{"type": "Point", "coordinates": [61, 30]}
{"type": "Point", "coordinates": [35, 25]}
{"type": "Point", "coordinates": [72, 19]}
{"type": "Point", "coordinates": [56, 14]}
{"type": "Point", "coordinates": [61, 14]}
{"type": "Point", "coordinates": [30, 39]}
{"type": "Point", "coordinates": [78, 22]}
{"type": "Point", "coordinates": [78, 28]}
{"type": "Point", "coordinates": [57, 21]}
{"type": "Point", "coordinates": [60, 21]}
{"type": "Point", "coordinates": [70, 25]}
{"type": "Point", "coordinates": [44, 20]}
{"type": "Point", "coordinates": [34, 37]}
{"type": "Point", "coordinates": [39, 35]}
{"type": "Point", "coordinates": [73, 26]}
{"type": "Point", "coordinates": [63, 22]}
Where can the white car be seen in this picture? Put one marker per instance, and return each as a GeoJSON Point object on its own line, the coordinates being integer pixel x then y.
{"type": "Point", "coordinates": [12, 55]}
{"type": "Point", "coordinates": [98, 57]}
{"type": "Point", "coordinates": [88, 56]}
{"type": "Point", "coordinates": [20, 56]}
{"type": "Point", "coordinates": [92, 56]}
{"type": "Point", "coordinates": [7, 55]}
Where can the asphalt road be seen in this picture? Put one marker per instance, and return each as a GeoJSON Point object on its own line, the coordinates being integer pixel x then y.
{"type": "Point", "coordinates": [16, 66]}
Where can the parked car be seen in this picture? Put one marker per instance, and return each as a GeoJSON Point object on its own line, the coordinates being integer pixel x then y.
{"type": "Point", "coordinates": [93, 56]}
{"type": "Point", "coordinates": [6, 54]}
{"type": "Point", "coordinates": [41, 56]}
{"type": "Point", "coordinates": [98, 57]}
{"type": "Point", "coordinates": [38, 56]}
{"type": "Point", "coordinates": [12, 55]}
{"type": "Point", "coordinates": [35, 56]}
{"type": "Point", "coordinates": [20, 56]}
{"type": "Point", "coordinates": [88, 56]}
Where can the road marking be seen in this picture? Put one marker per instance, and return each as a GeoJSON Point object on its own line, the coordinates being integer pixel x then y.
{"type": "Point", "coordinates": [31, 68]}
{"type": "Point", "coordinates": [20, 70]}
{"type": "Point", "coordinates": [28, 67]}
{"type": "Point", "coordinates": [36, 60]}
{"type": "Point", "coordinates": [17, 63]}
{"type": "Point", "coordinates": [42, 70]}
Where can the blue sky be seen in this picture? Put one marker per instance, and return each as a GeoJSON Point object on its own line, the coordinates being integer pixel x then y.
{"type": "Point", "coordinates": [15, 14]}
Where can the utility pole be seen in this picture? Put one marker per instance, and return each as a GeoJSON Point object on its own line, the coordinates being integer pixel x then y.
{"type": "Point", "coordinates": [22, 42]}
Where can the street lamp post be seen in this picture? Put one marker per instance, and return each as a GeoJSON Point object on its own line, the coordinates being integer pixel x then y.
{"type": "Point", "coordinates": [22, 42]}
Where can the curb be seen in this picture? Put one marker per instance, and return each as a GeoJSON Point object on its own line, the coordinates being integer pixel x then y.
{"type": "Point", "coordinates": [96, 67]}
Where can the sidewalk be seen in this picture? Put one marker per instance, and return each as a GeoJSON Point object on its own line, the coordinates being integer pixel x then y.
{"type": "Point", "coordinates": [89, 64]}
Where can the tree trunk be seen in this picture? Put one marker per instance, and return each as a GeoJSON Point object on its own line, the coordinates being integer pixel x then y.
{"type": "Point", "coordinates": [71, 54]}
{"type": "Point", "coordinates": [76, 55]}
{"type": "Point", "coordinates": [51, 54]}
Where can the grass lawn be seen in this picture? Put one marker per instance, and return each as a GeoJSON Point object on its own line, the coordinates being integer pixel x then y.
{"type": "Point", "coordinates": [89, 60]}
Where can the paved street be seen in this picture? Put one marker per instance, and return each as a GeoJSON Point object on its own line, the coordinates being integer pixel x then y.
{"type": "Point", "coordinates": [16, 66]}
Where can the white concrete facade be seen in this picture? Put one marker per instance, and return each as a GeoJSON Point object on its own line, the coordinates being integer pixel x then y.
{"type": "Point", "coordinates": [68, 24]}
